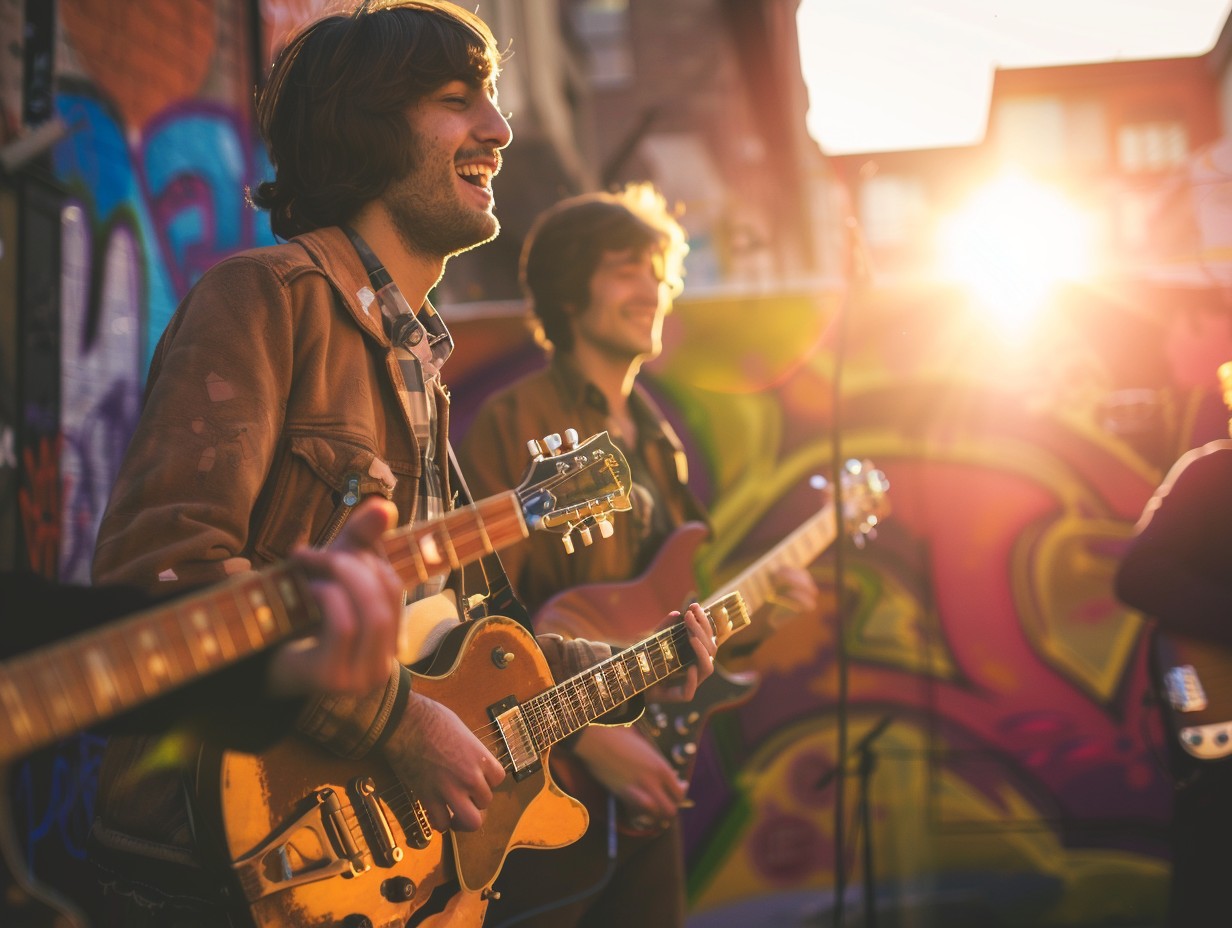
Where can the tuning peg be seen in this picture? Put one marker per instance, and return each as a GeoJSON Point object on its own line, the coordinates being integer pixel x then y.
{"type": "Point", "coordinates": [567, 540]}
{"type": "Point", "coordinates": [552, 442]}
{"type": "Point", "coordinates": [606, 528]}
{"type": "Point", "coordinates": [584, 532]}
{"type": "Point", "coordinates": [534, 448]}
{"type": "Point", "coordinates": [571, 438]}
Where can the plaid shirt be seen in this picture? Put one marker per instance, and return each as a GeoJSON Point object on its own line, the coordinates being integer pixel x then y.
{"type": "Point", "coordinates": [422, 345]}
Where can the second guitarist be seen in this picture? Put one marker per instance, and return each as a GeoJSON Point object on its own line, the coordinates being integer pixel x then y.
{"type": "Point", "coordinates": [1178, 570]}
{"type": "Point", "coordinates": [600, 271]}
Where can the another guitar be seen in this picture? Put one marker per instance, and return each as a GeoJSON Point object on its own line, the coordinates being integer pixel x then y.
{"type": "Point", "coordinates": [294, 818]}
{"type": "Point", "coordinates": [1194, 680]}
{"type": "Point", "coordinates": [596, 611]}
{"type": "Point", "coordinates": [59, 690]}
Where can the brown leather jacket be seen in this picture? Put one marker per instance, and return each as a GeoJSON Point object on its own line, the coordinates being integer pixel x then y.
{"type": "Point", "coordinates": [493, 455]}
{"type": "Point", "coordinates": [271, 408]}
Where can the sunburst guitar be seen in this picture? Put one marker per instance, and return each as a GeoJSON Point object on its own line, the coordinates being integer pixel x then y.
{"type": "Point", "coordinates": [61, 689]}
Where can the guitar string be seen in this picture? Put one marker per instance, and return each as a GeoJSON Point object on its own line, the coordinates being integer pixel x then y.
{"type": "Point", "coordinates": [580, 685]}
{"type": "Point", "coordinates": [400, 800]}
{"type": "Point", "coordinates": [465, 533]}
{"type": "Point", "coordinates": [533, 709]}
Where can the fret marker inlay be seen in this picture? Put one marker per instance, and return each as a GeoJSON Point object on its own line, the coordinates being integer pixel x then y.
{"type": "Point", "coordinates": [201, 622]}
{"type": "Point", "coordinates": [100, 676]}
{"type": "Point", "coordinates": [427, 547]}
{"type": "Point", "coordinates": [16, 709]}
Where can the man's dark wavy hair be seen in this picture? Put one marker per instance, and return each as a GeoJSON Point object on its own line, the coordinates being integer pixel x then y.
{"type": "Point", "coordinates": [333, 113]}
{"type": "Point", "coordinates": [566, 243]}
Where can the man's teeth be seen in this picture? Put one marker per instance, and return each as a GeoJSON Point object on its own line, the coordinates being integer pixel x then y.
{"type": "Point", "coordinates": [475, 173]}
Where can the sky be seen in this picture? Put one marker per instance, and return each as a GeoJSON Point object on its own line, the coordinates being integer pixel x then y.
{"type": "Point", "coordinates": [886, 75]}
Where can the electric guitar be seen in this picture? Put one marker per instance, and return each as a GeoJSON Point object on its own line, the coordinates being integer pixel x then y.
{"type": "Point", "coordinates": [61, 689]}
{"type": "Point", "coordinates": [316, 841]}
{"type": "Point", "coordinates": [1194, 679]}
{"type": "Point", "coordinates": [597, 610]}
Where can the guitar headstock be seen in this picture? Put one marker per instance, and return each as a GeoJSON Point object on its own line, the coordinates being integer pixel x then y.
{"type": "Point", "coordinates": [573, 487]}
{"type": "Point", "coordinates": [865, 502]}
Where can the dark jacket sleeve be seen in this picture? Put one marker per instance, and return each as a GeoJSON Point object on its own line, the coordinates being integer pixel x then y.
{"type": "Point", "coordinates": [39, 613]}
{"type": "Point", "coordinates": [1178, 567]}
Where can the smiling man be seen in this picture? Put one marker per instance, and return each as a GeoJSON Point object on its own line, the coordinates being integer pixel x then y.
{"type": "Point", "coordinates": [295, 380]}
{"type": "Point", "coordinates": [600, 272]}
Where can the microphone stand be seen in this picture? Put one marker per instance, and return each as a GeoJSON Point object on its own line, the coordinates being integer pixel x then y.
{"type": "Point", "coordinates": [866, 765]}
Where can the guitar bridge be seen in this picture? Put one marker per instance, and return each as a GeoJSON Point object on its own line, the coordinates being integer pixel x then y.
{"type": "Point", "coordinates": [316, 846]}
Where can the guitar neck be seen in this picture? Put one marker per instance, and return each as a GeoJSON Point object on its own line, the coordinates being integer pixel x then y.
{"type": "Point", "coordinates": [420, 552]}
{"type": "Point", "coordinates": [538, 723]}
{"type": "Point", "coordinates": [58, 690]}
{"type": "Point", "coordinates": [803, 546]}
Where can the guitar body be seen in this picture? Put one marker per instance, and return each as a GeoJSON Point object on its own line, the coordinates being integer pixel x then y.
{"type": "Point", "coordinates": [1194, 680]}
{"type": "Point", "coordinates": [676, 726]}
{"type": "Point", "coordinates": [619, 612]}
{"type": "Point", "coordinates": [624, 612]}
{"type": "Point", "coordinates": [286, 843]}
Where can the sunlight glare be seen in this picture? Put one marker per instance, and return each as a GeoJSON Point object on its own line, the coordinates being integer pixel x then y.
{"type": "Point", "coordinates": [1012, 244]}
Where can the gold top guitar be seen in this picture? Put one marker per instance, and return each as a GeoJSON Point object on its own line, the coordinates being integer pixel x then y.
{"type": "Point", "coordinates": [61, 689]}
{"type": "Point", "coordinates": [294, 818]}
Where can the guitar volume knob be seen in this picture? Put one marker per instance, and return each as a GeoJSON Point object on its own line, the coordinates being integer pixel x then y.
{"type": "Point", "coordinates": [355, 920]}
{"type": "Point", "coordinates": [399, 889]}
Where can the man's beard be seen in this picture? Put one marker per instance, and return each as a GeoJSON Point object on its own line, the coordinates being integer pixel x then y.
{"type": "Point", "coordinates": [429, 217]}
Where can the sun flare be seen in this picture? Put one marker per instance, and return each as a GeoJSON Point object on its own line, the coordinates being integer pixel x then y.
{"type": "Point", "coordinates": [1012, 244]}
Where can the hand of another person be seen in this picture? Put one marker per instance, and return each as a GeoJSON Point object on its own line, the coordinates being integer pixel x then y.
{"type": "Point", "coordinates": [360, 600]}
{"type": "Point", "coordinates": [793, 591]}
{"type": "Point", "coordinates": [443, 763]}
{"type": "Point", "coordinates": [633, 769]}
{"type": "Point", "coordinates": [683, 684]}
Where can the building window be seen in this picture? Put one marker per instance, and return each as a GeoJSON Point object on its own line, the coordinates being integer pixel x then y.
{"type": "Point", "coordinates": [891, 209]}
{"type": "Point", "coordinates": [1152, 146]}
{"type": "Point", "coordinates": [1031, 131]}
{"type": "Point", "coordinates": [603, 26]}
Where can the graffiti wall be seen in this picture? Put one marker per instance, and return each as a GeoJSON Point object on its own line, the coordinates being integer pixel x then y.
{"type": "Point", "coordinates": [147, 191]}
{"type": "Point", "coordinates": [1014, 777]}
{"type": "Point", "coordinates": [1015, 773]}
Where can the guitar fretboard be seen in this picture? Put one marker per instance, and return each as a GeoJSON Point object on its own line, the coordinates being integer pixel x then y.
{"type": "Point", "coordinates": [420, 552]}
{"type": "Point", "coordinates": [537, 724]}
{"type": "Point", "coordinates": [803, 546]}
{"type": "Point", "coordinates": [56, 691]}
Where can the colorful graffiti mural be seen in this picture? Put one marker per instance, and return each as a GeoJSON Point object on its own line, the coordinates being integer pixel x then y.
{"type": "Point", "coordinates": [152, 172]}
{"type": "Point", "coordinates": [1016, 781]}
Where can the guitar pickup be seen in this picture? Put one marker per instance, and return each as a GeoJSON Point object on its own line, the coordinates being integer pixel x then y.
{"type": "Point", "coordinates": [1184, 689]}
{"type": "Point", "coordinates": [518, 739]}
{"type": "Point", "coordinates": [382, 843]}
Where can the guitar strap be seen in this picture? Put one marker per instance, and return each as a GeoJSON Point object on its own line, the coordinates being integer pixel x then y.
{"type": "Point", "coordinates": [501, 600]}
